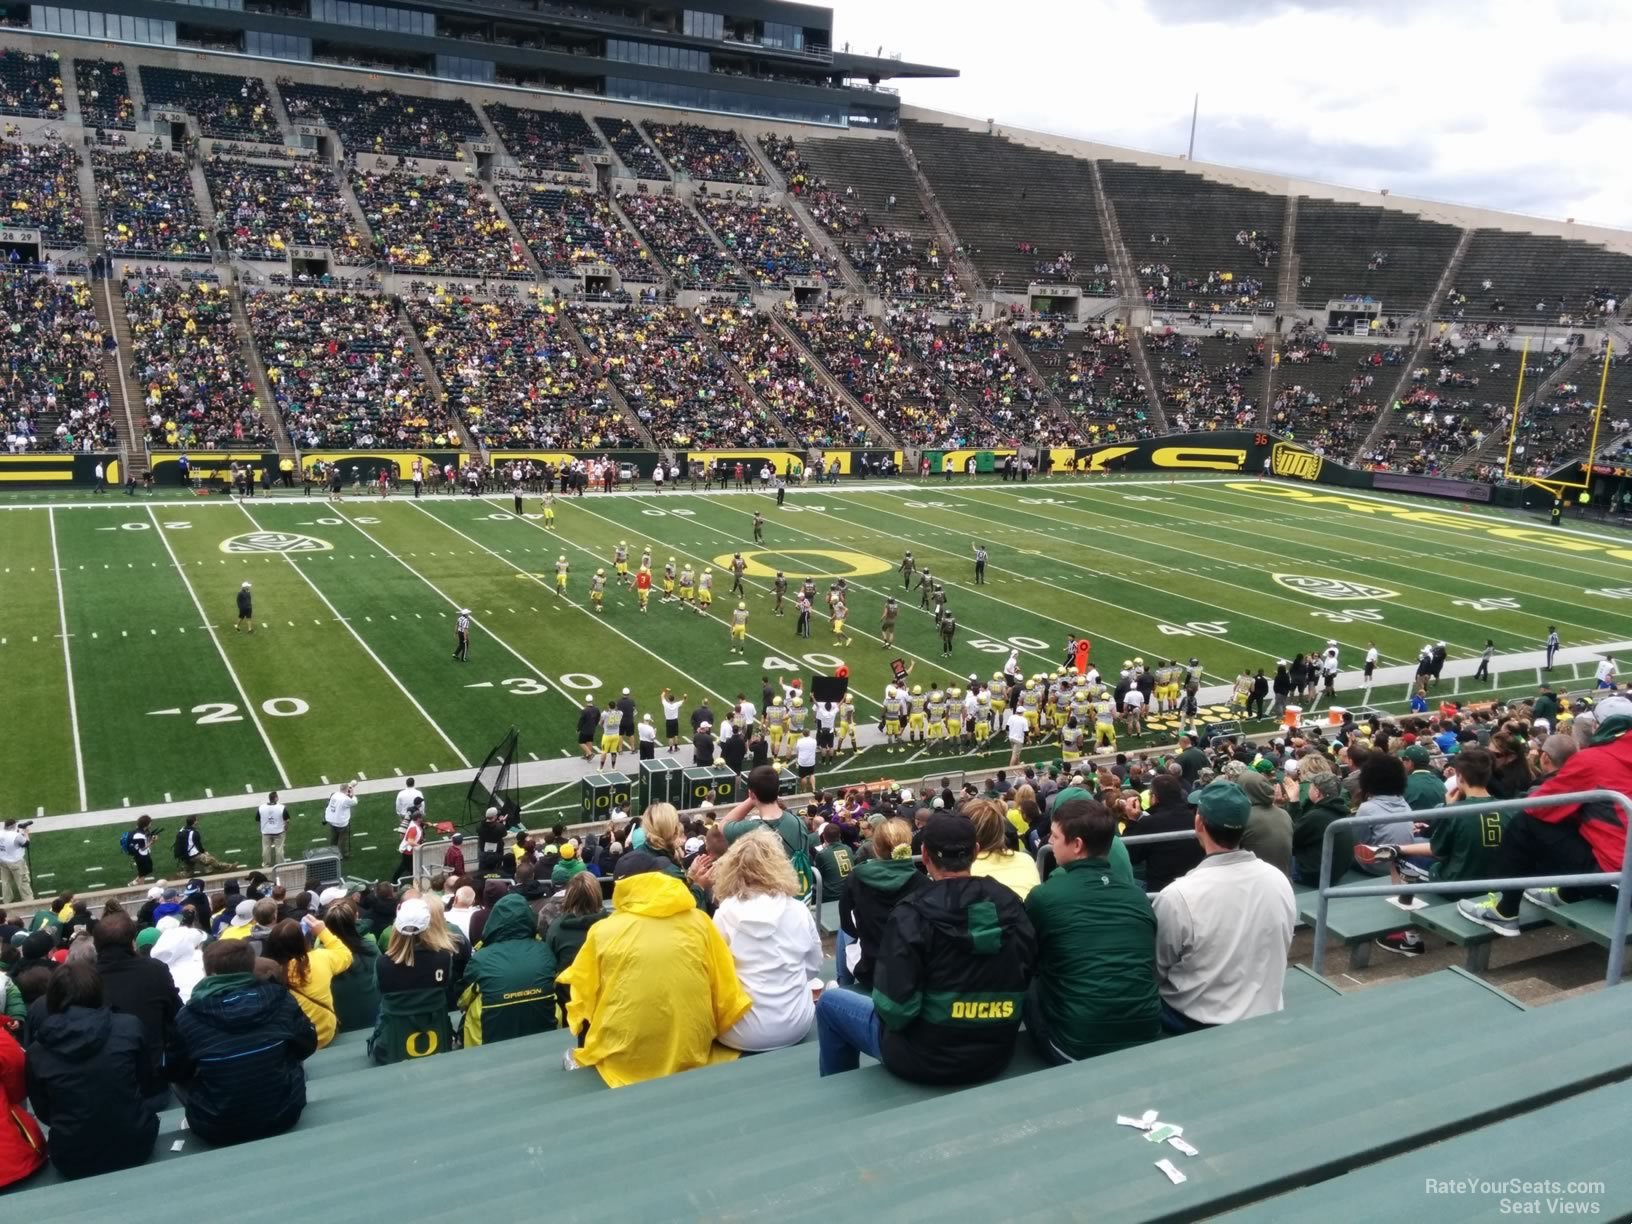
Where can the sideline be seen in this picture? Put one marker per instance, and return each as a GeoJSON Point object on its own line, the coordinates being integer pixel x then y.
{"type": "Point", "coordinates": [562, 772]}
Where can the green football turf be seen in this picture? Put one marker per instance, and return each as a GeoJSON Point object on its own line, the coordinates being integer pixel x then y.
{"type": "Point", "coordinates": [349, 672]}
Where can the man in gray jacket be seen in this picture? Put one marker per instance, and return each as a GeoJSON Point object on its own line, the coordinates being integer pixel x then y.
{"type": "Point", "coordinates": [1223, 930]}
{"type": "Point", "coordinates": [1269, 827]}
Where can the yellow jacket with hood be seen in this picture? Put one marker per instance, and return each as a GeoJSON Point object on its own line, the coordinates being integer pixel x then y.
{"type": "Point", "coordinates": [656, 984]}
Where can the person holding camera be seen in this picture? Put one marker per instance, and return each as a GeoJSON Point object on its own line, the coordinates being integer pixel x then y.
{"type": "Point", "coordinates": [337, 816]}
{"type": "Point", "coordinates": [14, 862]}
{"type": "Point", "coordinates": [140, 847]}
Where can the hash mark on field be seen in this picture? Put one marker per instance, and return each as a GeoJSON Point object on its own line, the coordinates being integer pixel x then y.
{"type": "Point", "coordinates": [248, 790]}
{"type": "Point", "coordinates": [362, 776]}
{"type": "Point", "coordinates": [92, 870]}
{"type": "Point", "coordinates": [532, 756]}
{"type": "Point", "coordinates": [317, 841]}
{"type": "Point", "coordinates": [322, 779]}
{"type": "Point", "coordinates": [125, 802]}
{"type": "Point", "coordinates": [208, 793]}
{"type": "Point", "coordinates": [233, 850]}
{"type": "Point", "coordinates": [167, 796]}
{"type": "Point", "coordinates": [433, 769]}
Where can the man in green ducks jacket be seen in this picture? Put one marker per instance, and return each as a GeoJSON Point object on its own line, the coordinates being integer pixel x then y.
{"type": "Point", "coordinates": [509, 985]}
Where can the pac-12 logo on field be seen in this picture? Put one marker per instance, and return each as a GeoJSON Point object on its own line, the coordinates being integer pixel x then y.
{"type": "Point", "coordinates": [274, 542]}
{"type": "Point", "coordinates": [1294, 461]}
{"type": "Point", "coordinates": [1336, 589]}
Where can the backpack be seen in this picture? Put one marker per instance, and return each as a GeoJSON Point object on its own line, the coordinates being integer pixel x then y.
{"type": "Point", "coordinates": [125, 846]}
{"type": "Point", "coordinates": [799, 856]}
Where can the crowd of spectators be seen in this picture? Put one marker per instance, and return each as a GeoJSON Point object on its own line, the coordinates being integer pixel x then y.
{"type": "Point", "coordinates": [1092, 375]}
{"type": "Point", "coordinates": [543, 140]}
{"type": "Point", "coordinates": [672, 378]}
{"type": "Point", "coordinates": [261, 210]}
{"type": "Point", "coordinates": [438, 224]}
{"type": "Point", "coordinates": [231, 107]}
{"type": "Point", "coordinates": [766, 239]}
{"type": "Point", "coordinates": [892, 261]}
{"type": "Point", "coordinates": [567, 227]}
{"type": "Point", "coordinates": [970, 357]}
{"type": "Point", "coordinates": [104, 94]}
{"type": "Point", "coordinates": [146, 200]}
{"type": "Point", "coordinates": [187, 357]}
{"type": "Point", "coordinates": [384, 121]}
{"type": "Point", "coordinates": [31, 84]}
{"type": "Point", "coordinates": [1328, 422]}
{"type": "Point", "coordinates": [51, 347]}
{"type": "Point", "coordinates": [679, 242]}
{"type": "Point", "coordinates": [1219, 292]}
{"type": "Point", "coordinates": [715, 155]}
{"type": "Point", "coordinates": [871, 362]}
{"type": "Point", "coordinates": [515, 375]}
{"type": "Point", "coordinates": [783, 377]}
{"type": "Point", "coordinates": [42, 191]}
{"type": "Point", "coordinates": [638, 157]}
{"type": "Point", "coordinates": [1204, 383]}
{"type": "Point", "coordinates": [342, 372]}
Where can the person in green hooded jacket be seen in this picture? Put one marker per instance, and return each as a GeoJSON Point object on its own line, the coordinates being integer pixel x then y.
{"type": "Point", "coordinates": [509, 985]}
{"type": "Point", "coordinates": [570, 865]}
{"type": "Point", "coordinates": [871, 892]}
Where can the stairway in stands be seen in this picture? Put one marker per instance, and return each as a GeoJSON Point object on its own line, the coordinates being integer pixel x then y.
{"type": "Point", "coordinates": [433, 380]}
{"type": "Point", "coordinates": [128, 420]}
{"type": "Point", "coordinates": [1430, 312]}
{"type": "Point", "coordinates": [263, 386]}
{"type": "Point", "coordinates": [1127, 284]}
{"type": "Point", "coordinates": [1492, 449]}
{"type": "Point", "coordinates": [968, 275]}
{"type": "Point", "coordinates": [606, 386]}
{"type": "Point", "coordinates": [832, 383]}
{"type": "Point", "coordinates": [1286, 293]}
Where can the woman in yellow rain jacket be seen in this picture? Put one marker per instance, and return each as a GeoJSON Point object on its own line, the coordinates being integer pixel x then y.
{"type": "Point", "coordinates": [654, 983]}
{"type": "Point", "coordinates": [307, 971]}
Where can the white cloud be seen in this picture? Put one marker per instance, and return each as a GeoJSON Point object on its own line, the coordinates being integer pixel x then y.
{"type": "Point", "coordinates": [1508, 104]}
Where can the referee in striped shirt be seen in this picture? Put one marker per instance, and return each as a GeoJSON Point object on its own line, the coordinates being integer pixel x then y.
{"type": "Point", "coordinates": [461, 635]}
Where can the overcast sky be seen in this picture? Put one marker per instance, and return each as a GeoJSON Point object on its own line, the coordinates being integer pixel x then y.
{"type": "Point", "coordinates": [1522, 105]}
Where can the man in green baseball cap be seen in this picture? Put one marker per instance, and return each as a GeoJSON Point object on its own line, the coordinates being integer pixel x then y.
{"type": "Point", "coordinates": [1423, 787]}
{"type": "Point", "coordinates": [1223, 930]}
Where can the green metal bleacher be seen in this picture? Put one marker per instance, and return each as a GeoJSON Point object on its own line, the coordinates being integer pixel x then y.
{"type": "Point", "coordinates": [1593, 918]}
{"type": "Point", "coordinates": [1579, 1139]}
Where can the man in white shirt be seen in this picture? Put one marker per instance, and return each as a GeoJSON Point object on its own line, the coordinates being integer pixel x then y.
{"type": "Point", "coordinates": [274, 824]}
{"type": "Point", "coordinates": [1605, 674]}
{"type": "Point", "coordinates": [14, 863]}
{"type": "Point", "coordinates": [1133, 709]}
{"type": "Point", "coordinates": [1371, 661]}
{"type": "Point", "coordinates": [338, 817]}
{"type": "Point", "coordinates": [646, 738]}
{"type": "Point", "coordinates": [405, 804]}
{"type": "Point", "coordinates": [804, 755]}
{"type": "Point", "coordinates": [1223, 929]}
{"type": "Point", "coordinates": [1016, 726]}
{"type": "Point", "coordinates": [671, 716]}
{"type": "Point", "coordinates": [463, 907]}
{"type": "Point", "coordinates": [745, 715]}
{"type": "Point", "coordinates": [827, 715]}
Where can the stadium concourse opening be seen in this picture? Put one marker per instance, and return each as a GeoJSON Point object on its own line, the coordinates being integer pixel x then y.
{"type": "Point", "coordinates": [754, 597]}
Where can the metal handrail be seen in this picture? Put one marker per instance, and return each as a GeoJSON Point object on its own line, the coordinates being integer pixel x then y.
{"type": "Point", "coordinates": [1622, 880]}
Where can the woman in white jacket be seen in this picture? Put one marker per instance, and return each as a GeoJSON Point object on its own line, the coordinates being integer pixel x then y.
{"type": "Point", "coordinates": [181, 950]}
{"type": "Point", "coordinates": [773, 940]}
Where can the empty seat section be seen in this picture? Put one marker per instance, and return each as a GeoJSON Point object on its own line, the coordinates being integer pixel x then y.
{"type": "Point", "coordinates": [1539, 279]}
{"type": "Point", "coordinates": [847, 185]}
{"type": "Point", "coordinates": [1197, 245]}
{"type": "Point", "coordinates": [543, 140]}
{"type": "Point", "coordinates": [1356, 250]}
{"type": "Point", "coordinates": [231, 107]}
{"type": "Point", "coordinates": [638, 157]}
{"type": "Point", "coordinates": [30, 84]}
{"type": "Point", "coordinates": [104, 94]}
{"type": "Point", "coordinates": [1022, 214]}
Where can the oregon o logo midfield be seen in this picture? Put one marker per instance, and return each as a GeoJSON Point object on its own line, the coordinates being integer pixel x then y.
{"type": "Point", "coordinates": [849, 564]}
{"type": "Point", "coordinates": [274, 542]}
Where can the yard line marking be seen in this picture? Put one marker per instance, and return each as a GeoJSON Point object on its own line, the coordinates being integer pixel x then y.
{"type": "Point", "coordinates": [591, 616]}
{"type": "Point", "coordinates": [249, 706]}
{"type": "Point", "coordinates": [401, 688]}
{"type": "Point", "coordinates": [67, 664]}
{"type": "Point", "coordinates": [455, 604]}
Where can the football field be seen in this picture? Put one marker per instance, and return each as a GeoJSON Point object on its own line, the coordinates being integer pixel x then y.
{"type": "Point", "coordinates": [128, 685]}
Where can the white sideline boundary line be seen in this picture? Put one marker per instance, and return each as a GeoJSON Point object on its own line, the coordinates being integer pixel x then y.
{"type": "Point", "coordinates": [249, 706]}
{"type": "Point", "coordinates": [68, 663]}
{"type": "Point", "coordinates": [335, 612]}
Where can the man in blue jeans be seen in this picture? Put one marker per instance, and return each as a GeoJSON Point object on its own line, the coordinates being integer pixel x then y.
{"type": "Point", "coordinates": [950, 979]}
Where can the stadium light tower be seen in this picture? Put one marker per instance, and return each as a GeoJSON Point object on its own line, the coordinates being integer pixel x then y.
{"type": "Point", "coordinates": [1195, 109]}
